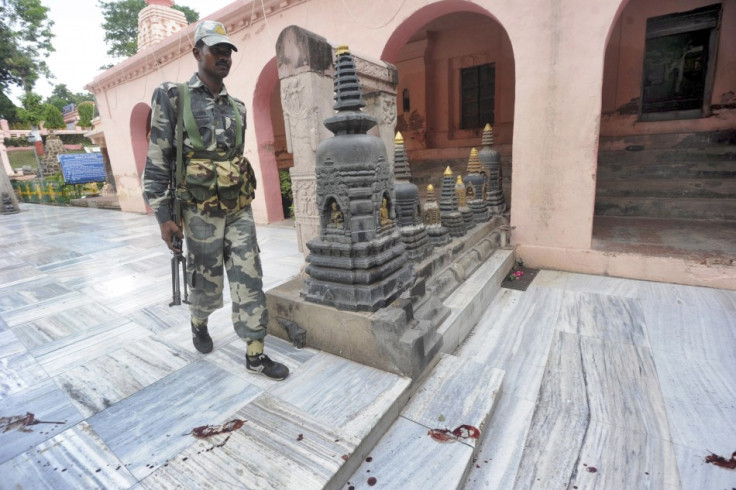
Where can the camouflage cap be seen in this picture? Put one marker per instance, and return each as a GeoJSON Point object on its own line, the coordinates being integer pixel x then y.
{"type": "Point", "coordinates": [211, 33]}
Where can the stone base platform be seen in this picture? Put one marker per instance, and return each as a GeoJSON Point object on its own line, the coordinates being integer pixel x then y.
{"type": "Point", "coordinates": [453, 287]}
{"type": "Point", "coordinates": [102, 202]}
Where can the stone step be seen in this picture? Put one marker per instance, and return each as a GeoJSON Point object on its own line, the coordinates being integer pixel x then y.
{"type": "Point", "coordinates": [672, 188]}
{"type": "Point", "coordinates": [669, 140]}
{"type": "Point", "coordinates": [666, 207]}
{"type": "Point", "coordinates": [721, 153]}
{"type": "Point", "coordinates": [690, 170]}
{"type": "Point", "coordinates": [456, 393]}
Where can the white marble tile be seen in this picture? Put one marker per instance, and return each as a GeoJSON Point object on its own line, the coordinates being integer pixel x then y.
{"type": "Point", "coordinates": [152, 426]}
{"type": "Point", "coordinates": [18, 369]}
{"type": "Point", "coordinates": [693, 296]}
{"type": "Point", "coordinates": [455, 393]}
{"type": "Point", "coordinates": [47, 403]}
{"type": "Point", "coordinates": [696, 474]}
{"type": "Point", "coordinates": [232, 358]}
{"type": "Point", "coordinates": [112, 377]}
{"type": "Point", "coordinates": [702, 426]}
{"type": "Point", "coordinates": [603, 316]}
{"type": "Point", "coordinates": [279, 447]}
{"type": "Point", "coordinates": [79, 349]}
{"type": "Point", "coordinates": [44, 309]}
{"type": "Point", "coordinates": [76, 458]}
{"type": "Point", "coordinates": [586, 283]}
{"type": "Point", "coordinates": [348, 395]}
{"type": "Point", "coordinates": [698, 332]}
{"type": "Point", "coordinates": [498, 457]}
{"type": "Point", "coordinates": [704, 381]}
{"type": "Point", "coordinates": [408, 458]}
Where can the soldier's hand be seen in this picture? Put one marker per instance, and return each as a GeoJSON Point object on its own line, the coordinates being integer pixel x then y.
{"type": "Point", "coordinates": [169, 230]}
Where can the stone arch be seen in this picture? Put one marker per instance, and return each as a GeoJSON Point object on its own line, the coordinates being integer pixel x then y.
{"type": "Point", "coordinates": [437, 123]}
{"type": "Point", "coordinates": [140, 129]}
{"type": "Point", "coordinates": [263, 115]}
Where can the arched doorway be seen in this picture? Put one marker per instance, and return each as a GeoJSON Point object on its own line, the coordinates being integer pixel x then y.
{"type": "Point", "coordinates": [456, 73]}
{"type": "Point", "coordinates": [664, 184]}
{"type": "Point", "coordinates": [140, 127]}
{"type": "Point", "coordinates": [268, 125]}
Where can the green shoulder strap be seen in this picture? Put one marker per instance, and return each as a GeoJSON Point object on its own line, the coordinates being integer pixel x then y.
{"type": "Point", "coordinates": [190, 124]}
{"type": "Point", "coordinates": [183, 89]}
{"type": "Point", "coordinates": [238, 124]}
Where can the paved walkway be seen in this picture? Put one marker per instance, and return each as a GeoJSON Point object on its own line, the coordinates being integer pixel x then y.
{"type": "Point", "coordinates": [609, 383]}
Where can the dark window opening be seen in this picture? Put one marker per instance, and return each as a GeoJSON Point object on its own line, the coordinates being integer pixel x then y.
{"type": "Point", "coordinates": [677, 61]}
{"type": "Point", "coordinates": [478, 96]}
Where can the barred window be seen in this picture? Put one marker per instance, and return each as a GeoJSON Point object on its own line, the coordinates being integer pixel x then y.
{"type": "Point", "coordinates": [478, 89]}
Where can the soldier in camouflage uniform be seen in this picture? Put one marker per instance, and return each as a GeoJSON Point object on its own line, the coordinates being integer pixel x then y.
{"type": "Point", "coordinates": [215, 187]}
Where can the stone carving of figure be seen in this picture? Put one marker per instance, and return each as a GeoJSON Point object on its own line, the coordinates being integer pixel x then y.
{"type": "Point", "coordinates": [431, 209]}
{"type": "Point", "coordinates": [460, 192]}
{"type": "Point", "coordinates": [336, 216]}
{"type": "Point", "coordinates": [470, 193]}
{"type": "Point", "coordinates": [383, 213]}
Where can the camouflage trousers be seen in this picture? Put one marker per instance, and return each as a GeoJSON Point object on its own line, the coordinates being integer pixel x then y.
{"type": "Point", "coordinates": [217, 239]}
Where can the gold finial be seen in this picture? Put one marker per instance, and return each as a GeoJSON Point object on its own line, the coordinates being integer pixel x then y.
{"type": "Point", "coordinates": [342, 49]}
{"type": "Point", "coordinates": [474, 153]}
{"type": "Point", "coordinates": [459, 180]}
{"type": "Point", "coordinates": [448, 170]}
{"type": "Point", "coordinates": [398, 138]}
{"type": "Point", "coordinates": [487, 127]}
{"type": "Point", "coordinates": [430, 187]}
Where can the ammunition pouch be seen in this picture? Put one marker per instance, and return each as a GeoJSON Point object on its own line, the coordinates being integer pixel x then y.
{"type": "Point", "coordinates": [227, 183]}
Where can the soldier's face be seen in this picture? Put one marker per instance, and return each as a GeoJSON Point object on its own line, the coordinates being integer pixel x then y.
{"type": "Point", "coordinates": [215, 60]}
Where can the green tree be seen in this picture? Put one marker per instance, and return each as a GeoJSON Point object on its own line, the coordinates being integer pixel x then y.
{"type": "Point", "coordinates": [86, 112]}
{"type": "Point", "coordinates": [8, 110]}
{"type": "Point", "coordinates": [25, 43]}
{"type": "Point", "coordinates": [52, 117]}
{"type": "Point", "coordinates": [121, 24]}
{"type": "Point", "coordinates": [62, 96]}
{"type": "Point", "coordinates": [32, 112]}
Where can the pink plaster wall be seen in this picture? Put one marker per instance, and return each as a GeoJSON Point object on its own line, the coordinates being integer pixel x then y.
{"type": "Point", "coordinates": [624, 60]}
{"type": "Point", "coordinates": [558, 58]}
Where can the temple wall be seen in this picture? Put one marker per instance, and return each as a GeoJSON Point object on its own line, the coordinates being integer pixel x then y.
{"type": "Point", "coordinates": [558, 62]}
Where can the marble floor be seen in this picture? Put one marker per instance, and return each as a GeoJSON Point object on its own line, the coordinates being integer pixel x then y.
{"type": "Point", "coordinates": [608, 383]}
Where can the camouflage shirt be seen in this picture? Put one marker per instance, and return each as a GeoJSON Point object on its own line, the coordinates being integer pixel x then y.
{"type": "Point", "coordinates": [214, 117]}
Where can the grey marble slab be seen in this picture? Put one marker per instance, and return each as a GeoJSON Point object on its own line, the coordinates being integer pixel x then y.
{"type": "Point", "coordinates": [501, 445]}
{"type": "Point", "coordinates": [586, 283]}
{"type": "Point", "coordinates": [47, 403]}
{"type": "Point", "coordinates": [76, 458]}
{"type": "Point", "coordinates": [152, 426]}
{"type": "Point", "coordinates": [15, 296]}
{"type": "Point", "coordinates": [27, 312]}
{"type": "Point", "coordinates": [112, 377]}
{"type": "Point", "coordinates": [79, 349]}
{"type": "Point", "coordinates": [279, 447]}
{"type": "Point", "coordinates": [585, 418]}
{"type": "Point", "coordinates": [603, 316]}
{"type": "Point", "coordinates": [456, 393]}
{"type": "Point", "coordinates": [18, 369]}
{"type": "Point", "coordinates": [701, 426]}
{"type": "Point", "coordinates": [515, 334]}
{"type": "Point", "coordinates": [13, 276]}
{"type": "Point", "coordinates": [348, 395]}
{"type": "Point", "coordinates": [408, 458]}
{"type": "Point", "coordinates": [161, 317]}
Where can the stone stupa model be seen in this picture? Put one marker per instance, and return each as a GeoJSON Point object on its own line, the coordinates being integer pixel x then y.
{"type": "Point", "coordinates": [462, 203]}
{"type": "Point", "coordinates": [408, 209]}
{"type": "Point", "coordinates": [358, 262]}
{"type": "Point", "coordinates": [438, 234]}
{"type": "Point", "coordinates": [490, 161]}
{"type": "Point", "coordinates": [452, 219]}
{"type": "Point", "coordinates": [475, 189]}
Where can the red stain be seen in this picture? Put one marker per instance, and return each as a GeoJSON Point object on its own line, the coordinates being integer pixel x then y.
{"type": "Point", "coordinates": [22, 422]}
{"type": "Point", "coordinates": [592, 469]}
{"type": "Point", "coordinates": [345, 457]}
{"type": "Point", "coordinates": [721, 461]}
{"type": "Point", "coordinates": [369, 459]}
{"type": "Point", "coordinates": [461, 432]}
{"type": "Point", "coordinates": [300, 437]}
{"type": "Point", "coordinates": [372, 481]}
{"type": "Point", "coordinates": [204, 431]}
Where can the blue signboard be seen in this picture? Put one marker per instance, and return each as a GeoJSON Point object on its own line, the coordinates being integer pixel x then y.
{"type": "Point", "coordinates": [80, 168]}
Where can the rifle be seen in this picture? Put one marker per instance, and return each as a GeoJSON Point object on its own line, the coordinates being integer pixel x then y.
{"type": "Point", "coordinates": [178, 258]}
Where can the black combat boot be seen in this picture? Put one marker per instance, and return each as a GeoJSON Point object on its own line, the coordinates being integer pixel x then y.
{"type": "Point", "coordinates": [201, 339]}
{"type": "Point", "coordinates": [262, 364]}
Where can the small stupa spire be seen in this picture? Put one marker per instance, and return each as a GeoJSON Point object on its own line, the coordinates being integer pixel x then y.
{"type": "Point", "coordinates": [448, 171]}
{"type": "Point", "coordinates": [402, 171]}
{"type": "Point", "coordinates": [474, 162]}
{"type": "Point", "coordinates": [487, 139]}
